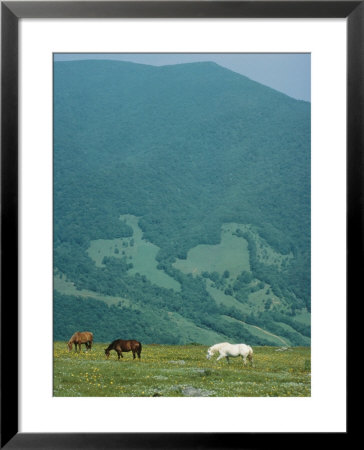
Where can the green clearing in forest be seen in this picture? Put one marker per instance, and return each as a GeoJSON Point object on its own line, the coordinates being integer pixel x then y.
{"type": "Point", "coordinates": [230, 254]}
{"type": "Point", "coordinates": [137, 251]}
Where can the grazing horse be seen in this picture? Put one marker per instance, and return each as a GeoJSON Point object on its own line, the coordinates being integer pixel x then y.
{"type": "Point", "coordinates": [78, 338]}
{"type": "Point", "coordinates": [124, 346]}
{"type": "Point", "coordinates": [226, 350]}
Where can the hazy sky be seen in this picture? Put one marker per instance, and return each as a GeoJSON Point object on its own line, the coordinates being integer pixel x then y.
{"type": "Point", "coordinates": [286, 72]}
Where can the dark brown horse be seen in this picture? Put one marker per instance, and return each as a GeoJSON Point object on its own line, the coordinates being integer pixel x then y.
{"type": "Point", "coordinates": [78, 338]}
{"type": "Point", "coordinates": [124, 346]}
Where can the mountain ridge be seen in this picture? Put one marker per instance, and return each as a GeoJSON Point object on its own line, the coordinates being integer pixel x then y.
{"type": "Point", "coordinates": [186, 148]}
{"type": "Point", "coordinates": [181, 66]}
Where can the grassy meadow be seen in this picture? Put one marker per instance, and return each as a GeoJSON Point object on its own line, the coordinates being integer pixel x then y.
{"type": "Point", "coordinates": [181, 371]}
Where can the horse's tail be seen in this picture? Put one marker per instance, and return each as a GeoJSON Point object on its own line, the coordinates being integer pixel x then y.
{"type": "Point", "coordinates": [140, 348]}
{"type": "Point", "coordinates": [250, 354]}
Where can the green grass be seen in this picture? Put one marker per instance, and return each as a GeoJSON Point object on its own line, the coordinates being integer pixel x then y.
{"type": "Point", "coordinates": [230, 254]}
{"type": "Point", "coordinates": [179, 371]}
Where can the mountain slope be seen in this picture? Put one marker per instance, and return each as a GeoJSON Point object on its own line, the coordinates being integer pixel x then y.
{"type": "Point", "coordinates": [186, 149]}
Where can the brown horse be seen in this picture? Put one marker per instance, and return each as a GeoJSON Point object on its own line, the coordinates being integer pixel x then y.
{"type": "Point", "coordinates": [78, 338]}
{"type": "Point", "coordinates": [124, 346]}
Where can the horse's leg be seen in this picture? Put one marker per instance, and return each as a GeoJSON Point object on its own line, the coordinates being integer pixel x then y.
{"type": "Point", "coordinates": [221, 356]}
{"type": "Point", "coordinates": [133, 355]}
{"type": "Point", "coordinates": [227, 359]}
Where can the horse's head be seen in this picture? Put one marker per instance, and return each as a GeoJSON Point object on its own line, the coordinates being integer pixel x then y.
{"type": "Point", "coordinates": [107, 352]}
{"type": "Point", "coordinates": [69, 345]}
{"type": "Point", "coordinates": [209, 353]}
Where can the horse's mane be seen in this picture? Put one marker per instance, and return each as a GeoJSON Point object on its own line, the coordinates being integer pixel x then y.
{"type": "Point", "coordinates": [216, 347]}
{"type": "Point", "coordinates": [77, 333]}
{"type": "Point", "coordinates": [73, 336]}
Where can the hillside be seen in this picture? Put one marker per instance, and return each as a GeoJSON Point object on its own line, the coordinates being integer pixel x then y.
{"type": "Point", "coordinates": [181, 205]}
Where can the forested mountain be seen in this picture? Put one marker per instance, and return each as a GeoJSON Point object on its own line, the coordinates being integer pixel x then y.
{"type": "Point", "coordinates": [181, 205]}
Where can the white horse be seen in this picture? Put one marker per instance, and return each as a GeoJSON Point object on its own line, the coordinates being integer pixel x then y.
{"type": "Point", "coordinates": [226, 350]}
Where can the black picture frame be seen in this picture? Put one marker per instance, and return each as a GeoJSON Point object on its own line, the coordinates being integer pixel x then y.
{"type": "Point", "coordinates": [11, 13]}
